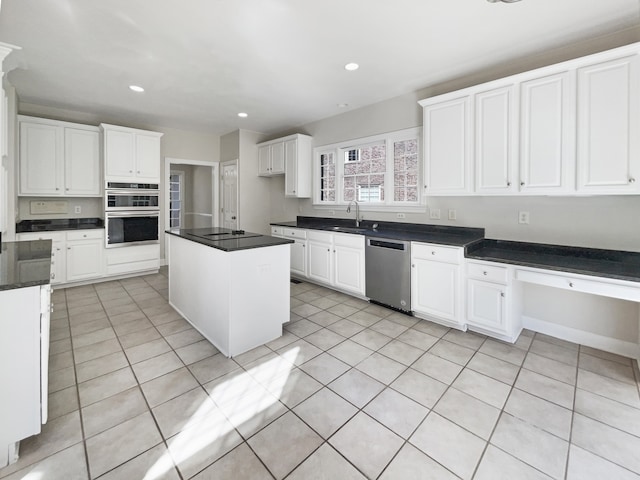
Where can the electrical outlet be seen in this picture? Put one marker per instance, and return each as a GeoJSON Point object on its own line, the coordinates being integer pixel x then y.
{"type": "Point", "coordinates": [452, 214]}
{"type": "Point", "coordinates": [400, 215]}
{"type": "Point", "coordinates": [77, 209]}
{"type": "Point", "coordinates": [435, 214]}
{"type": "Point", "coordinates": [523, 218]}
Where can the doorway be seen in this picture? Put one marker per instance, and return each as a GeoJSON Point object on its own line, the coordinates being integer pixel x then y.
{"type": "Point", "coordinates": [229, 195]}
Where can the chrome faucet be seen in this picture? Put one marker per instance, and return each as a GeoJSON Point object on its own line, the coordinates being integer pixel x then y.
{"type": "Point", "coordinates": [357, 211]}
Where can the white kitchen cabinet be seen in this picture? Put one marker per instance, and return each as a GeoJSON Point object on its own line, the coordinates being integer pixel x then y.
{"type": "Point", "coordinates": [24, 360]}
{"type": "Point", "coordinates": [608, 125]}
{"type": "Point", "coordinates": [271, 159]}
{"type": "Point", "coordinates": [320, 259]}
{"type": "Point", "coordinates": [492, 300]}
{"type": "Point", "coordinates": [131, 155]}
{"type": "Point", "coordinates": [447, 145]}
{"type": "Point", "coordinates": [337, 260]}
{"type": "Point", "coordinates": [298, 249]}
{"type": "Point", "coordinates": [436, 283]}
{"type": "Point", "coordinates": [547, 134]}
{"type": "Point", "coordinates": [58, 158]}
{"type": "Point", "coordinates": [76, 254]}
{"type": "Point", "coordinates": [290, 156]}
{"type": "Point", "coordinates": [84, 255]}
{"type": "Point", "coordinates": [348, 252]}
{"type": "Point", "coordinates": [136, 258]}
{"type": "Point", "coordinates": [495, 140]}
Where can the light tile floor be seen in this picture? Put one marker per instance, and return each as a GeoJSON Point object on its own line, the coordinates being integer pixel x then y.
{"type": "Point", "coordinates": [350, 391]}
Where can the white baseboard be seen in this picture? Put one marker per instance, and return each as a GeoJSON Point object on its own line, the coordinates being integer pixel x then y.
{"type": "Point", "coordinates": [594, 340]}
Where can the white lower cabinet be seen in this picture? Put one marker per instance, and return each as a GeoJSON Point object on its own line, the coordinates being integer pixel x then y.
{"type": "Point", "coordinates": [436, 283]}
{"type": "Point", "coordinates": [136, 258]}
{"type": "Point", "coordinates": [84, 255]}
{"type": "Point", "coordinates": [333, 259]}
{"type": "Point", "coordinates": [491, 296]}
{"type": "Point", "coordinates": [76, 255]}
{"type": "Point", "coordinates": [24, 360]}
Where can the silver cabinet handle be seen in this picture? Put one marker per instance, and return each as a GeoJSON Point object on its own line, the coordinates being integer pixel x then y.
{"type": "Point", "coordinates": [571, 284]}
{"type": "Point", "coordinates": [328, 250]}
{"type": "Point", "coordinates": [522, 184]}
{"type": "Point", "coordinates": [130, 171]}
{"type": "Point", "coordinates": [433, 253]}
{"type": "Point", "coordinates": [413, 265]}
{"type": "Point", "coordinates": [632, 180]}
{"type": "Point", "coordinates": [502, 294]}
{"type": "Point", "coordinates": [508, 184]}
{"type": "Point", "coordinates": [484, 273]}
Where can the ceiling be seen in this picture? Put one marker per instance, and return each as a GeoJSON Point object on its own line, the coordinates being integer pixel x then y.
{"type": "Point", "coordinates": [281, 61]}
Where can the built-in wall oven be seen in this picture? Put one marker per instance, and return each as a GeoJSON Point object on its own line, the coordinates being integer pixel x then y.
{"type": "Point", "coordinates": [132, 211]}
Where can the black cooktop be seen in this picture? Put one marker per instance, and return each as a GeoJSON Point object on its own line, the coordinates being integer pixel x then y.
{"type": "Point", "coordinates": [218, 234]}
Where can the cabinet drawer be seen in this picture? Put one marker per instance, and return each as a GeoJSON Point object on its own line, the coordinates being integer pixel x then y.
{"type": "Point", "coordinates": [277, 231]}
{"type": "Point", "coordinates": [53, 236]}
{"type": "Point", "coordinates": [319, 236]}
{"type": "Point", "coordinates": [97, 233]}
{"type": "Point", "coordinates": [348, 240]}
{"type": "Point", "coordinates": [437, 253]}
{"type": "Point", "coordinates": [295, 233]}
{"type": "Point", "coordinates": [490, 273]}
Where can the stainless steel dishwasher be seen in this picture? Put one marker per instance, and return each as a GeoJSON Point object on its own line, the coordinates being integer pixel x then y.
{"type": "Point", "coordinates": [388, 272]}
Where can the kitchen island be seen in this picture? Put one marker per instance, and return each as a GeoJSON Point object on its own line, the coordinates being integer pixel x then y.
{"type": "Point", "coordinates": [232, 286]}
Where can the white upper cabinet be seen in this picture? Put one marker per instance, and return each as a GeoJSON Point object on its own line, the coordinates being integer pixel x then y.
{"type": "Point", "coordinates": [565, 129]}
{"type": "Point", "coordinates": [131, 155]}
{"type": "Point", "coordinates": [289, 155]}
{"type": "Point", "coordinates": [609, 126]}
{"type": "Point", "coordinates": [447, 136]}
{"type": "Point", "coordinates": [495, 140]}
{"type": "Point", "coordinates": [547, 130]}
{"type": "Point", "coordinates": [58, 158]}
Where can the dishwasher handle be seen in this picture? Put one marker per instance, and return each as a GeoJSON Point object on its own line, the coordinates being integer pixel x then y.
{"type": "Point", "coordinates": [387, 244]}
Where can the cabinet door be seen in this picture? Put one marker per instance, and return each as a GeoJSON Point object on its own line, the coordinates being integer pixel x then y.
{"type": "Point", "coordinates": [434, 289]}
{"type": "Point", "coordinates": [608, 126]}
{"type": "Point", "coordinates": [84, 259]}
{"type": "Point", "coordinates": [495, 140]}
{"type": "Point", "coordinates": [58, 263]}
{"type": "Point", "coordinates": [81, 162]}
{"type": "Point", "coordinates": [41, 159]}
{"type": "Point", "coordinates": [547, 129]}
{"type": "Point", "coordinates": [147, 158]}
{"type": "Point", "coordinates": [320, 261]}
{"type": "Point", "coordinates": [485, 305]}
{"type": "Point", "coordinates": [299, 258]}
{"type": "Point", "coordinates": [264, 160]}
{"type": "Point", "coordinates": [277, 158]}
{"type": "Point", "coordinates": [447, 147]}
{"type": "Point", "coordinates": [119, 157]}
{"type": "Point", "coordinates": [349, 269]}
{"type": "Point", "coordinates": [291, 168]}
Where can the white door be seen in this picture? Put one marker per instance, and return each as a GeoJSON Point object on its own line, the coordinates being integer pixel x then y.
{"type": "Point", "coordinates": [148, 158]}
{"type": "Point", "coordinates": [119, 154]}
{"type": "Point", "coordinates": [349, 264]}
{"type": "Point", "coordinates": [320, 261]}
{"type": "Point", "coordinates": [299, 258]}
{"type": "Point", "coordinates": [290, 168]}
{"type": "Point", "coordinates": [230, 195]}
{"type": "Point", "coordinates": [447, 147]}
{"type": "Point", "coordinates": [81, 162]}
{"type": "Point", "coordinates": [494, 140]}
{"type": "Point", "coordinates": [485, 305]}
{"type": "Point", "coordinates": [547, 133]}
{"type": "Point", "coordinates": [264, 160]}
{"type": "Point", "coordinates": [41, 159]}
{"type": "Point", "coordinates": [434, 288]}
{"type": "Point", "coordinates": [84, 259]}
{"type": "Point", "coordinates": [608, 126]}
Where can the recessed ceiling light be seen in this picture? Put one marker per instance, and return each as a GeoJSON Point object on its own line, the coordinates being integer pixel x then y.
{"type": "Point", "coordinates": [243, 115]}
{"type": "Point", "coordinates": [343, 105]}
{"type": "Point", "coordinates": [136, 88]}
{"type": "Point", "coordinates": [351, 66]}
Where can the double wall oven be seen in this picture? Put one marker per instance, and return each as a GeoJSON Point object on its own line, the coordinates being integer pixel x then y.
{"type": "Point", "coordinates": [132, 211]}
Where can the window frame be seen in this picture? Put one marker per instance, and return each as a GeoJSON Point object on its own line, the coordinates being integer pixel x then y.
{"type": "Point", "coordinates": [389, 204]}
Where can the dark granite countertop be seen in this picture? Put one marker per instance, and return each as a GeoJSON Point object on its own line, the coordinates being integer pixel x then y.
{"type": "Point", "coordinates": [59, 224]}
{"type": "Point", "coordinates": [585, 261]}
{"type": "Point", "coordinates": [414, 232]}
{"type": "Point", "coordinates": [224, 239]}
{"type": "Point", "coordinates": [25, 264]}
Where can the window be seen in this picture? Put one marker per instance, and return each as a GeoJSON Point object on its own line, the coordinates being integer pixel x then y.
{"type": "Point", "coordinates": [381, 171]}
{"type": "Point", "coordinates": [175, 199]}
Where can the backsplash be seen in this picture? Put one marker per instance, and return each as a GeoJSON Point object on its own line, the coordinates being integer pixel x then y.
{"type": "Point", "coordinates": [90, 207]}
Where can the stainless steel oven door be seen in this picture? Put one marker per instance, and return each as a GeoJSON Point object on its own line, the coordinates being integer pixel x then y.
{"type": "Point", "coordinates": [128, 200]}
{"type": "Point", "coordinates": [131, 228]}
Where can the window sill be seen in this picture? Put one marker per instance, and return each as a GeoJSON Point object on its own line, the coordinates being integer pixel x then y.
{"type": "Point", "coordinates": [375, 208]}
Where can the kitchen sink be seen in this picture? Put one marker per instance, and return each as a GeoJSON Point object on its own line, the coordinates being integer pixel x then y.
{"type": "Point", "coordinates": [349, 229]}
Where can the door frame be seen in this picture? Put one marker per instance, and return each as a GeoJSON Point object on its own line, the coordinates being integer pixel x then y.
{"type": "Point", "coordinates": [215, 191]}
{"type": "Point", "coordinates": [221, 179]}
